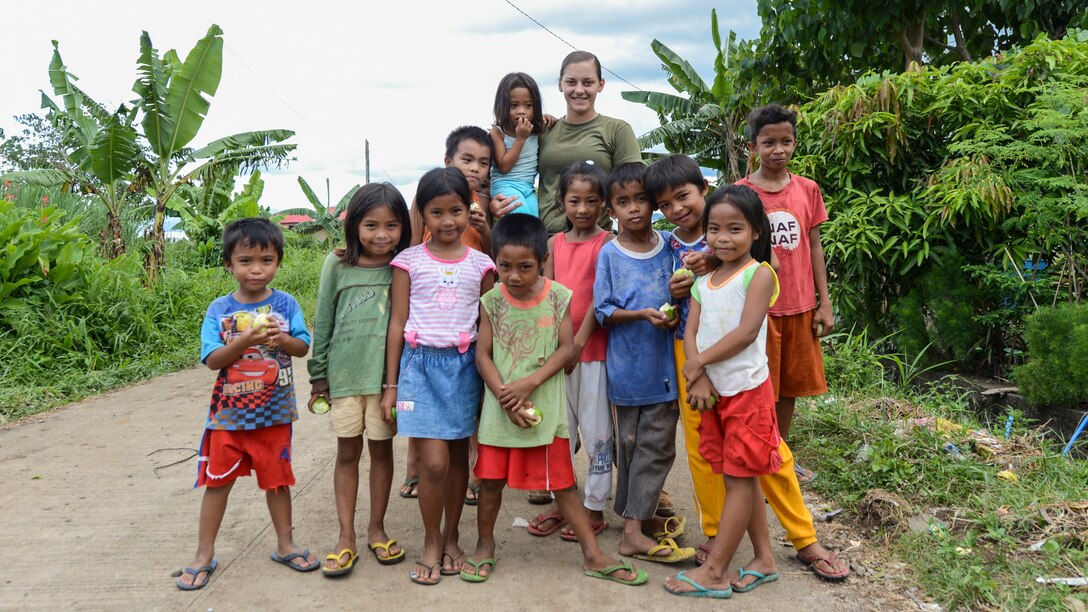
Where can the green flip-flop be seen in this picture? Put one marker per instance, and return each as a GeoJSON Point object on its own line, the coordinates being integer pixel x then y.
{"type": "Point", "coordinates": [609, 573]}
{"type": "Point", "coordinates": [475, 576]}
{"type": "Point", "coordinates": [761, 578]}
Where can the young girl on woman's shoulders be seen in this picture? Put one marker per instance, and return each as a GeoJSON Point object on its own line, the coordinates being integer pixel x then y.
{"type": "Point", "coordinates": [430, 376]}
{"type": "Point", "coordinates": [519, 120]}
{"type": "Point", "coordinates": [348, 360]}
{"type": "Point", "coordinates": [727, 376]}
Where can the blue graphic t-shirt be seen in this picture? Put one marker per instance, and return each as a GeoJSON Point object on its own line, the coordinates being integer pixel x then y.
{"type": "Point", "coordinates": [680, 251]}
{"type": "Point", "coordinates": [258, 389]}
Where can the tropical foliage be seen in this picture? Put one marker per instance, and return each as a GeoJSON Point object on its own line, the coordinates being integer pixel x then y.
{"type": "Point", "coordinates": [324, 217]}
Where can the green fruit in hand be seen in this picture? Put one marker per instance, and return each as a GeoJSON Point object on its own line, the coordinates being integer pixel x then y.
{"type": "Point", "coordinates": [532, 414]}
{"type": "Point", "coordinates": [393, 414]}
{"type": "Point", "coordinates": [321, 405]}
{"type": "Point", "coordinates": [682, 272]}
{"type": "Point", "coordinates": [668, 310]}
{"type": "Point", "coordinates": [261, 321]}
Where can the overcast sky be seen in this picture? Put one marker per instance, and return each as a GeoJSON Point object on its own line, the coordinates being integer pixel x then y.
{"type": "Point", "coordinates": [400, 74]}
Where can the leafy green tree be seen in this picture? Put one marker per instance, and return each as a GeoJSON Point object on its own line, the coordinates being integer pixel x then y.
{"type": "Point", "coordinates": [174, 98]}
{"type": "Point", "coordinates": [208, 204]}
{"type": "Point", "coordinates": [38, 146]}
{"type": "Point", "coordinates": [324, 218]}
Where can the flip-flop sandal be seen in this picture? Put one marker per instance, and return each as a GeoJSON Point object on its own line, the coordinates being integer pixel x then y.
{"type": "Point", "coordinates": [761, 578]}
{"type": "Point", "coordinates": [598, 529]}
{"type": "Point", "coordinates": [287, 559]}
{"type": "Point", "coordinates": [700, 590]}
{"type": "Point", "coordinates": [475, 499]}
{"type": "Point", "coordinates": [388, 559]}
{"type": "Point", "coordinates": [341, 568]}
{"type": "Point", "coordinates": [410, 484]}
{"type": "Point", "coordinates": [609, 572]}
{"type": "Point", "coordinates": [830, 559]}
{"type": "Point", "coordinates": [475, 576]}
{"type": "Point", "coordinates": [804, 475]}
{"type": "Point", "coordinates": [418, 579]}
{"type": "Point", "coordinates": [558, 522]}
{"type": "Point", "coordinates": [676, 556]}
{"type": "Point", "coordinates": [666, 506]}
{"type": "Point", "coordinates": [677, 528]}
{"type": "Point", "coordinates": [210, 569]}
{"type": "Point", "coordinates": [453, 560]}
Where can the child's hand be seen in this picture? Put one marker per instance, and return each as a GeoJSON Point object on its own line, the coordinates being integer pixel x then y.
{"type": "Point", "coordinates": [517, 417]}
{"type": "Point", "coordinates": [523, 129]}
{"type": "Point", "coordinates": [823, 321]}
{"type": "Point", "coordinates": [478, 220]}
{"type": "Point", "coordinates": [513, 395]}
{"type": "Point", "coordinates": [701, 263]}
{"type": "Point", "coordinates": [318, 388]}
{"type": "Point", "coordinates": [253, 337]}
{"type": "Point", "coordinates": [680, 285]}
{"type": "Point", "coordinates": [389, 402]}
{"type": "Point", "coordinates": [576, 356]}
{"type": "Point", "coordinates": [502, 205]}
{"type": "Point", "coordinates": [693, 371]}
{"type": "Point", "coordinates": [273, 335]}
{"type": "Point", "coordinates": [659, 319]}
{"type": "Point", "coordinates": [702, 395]}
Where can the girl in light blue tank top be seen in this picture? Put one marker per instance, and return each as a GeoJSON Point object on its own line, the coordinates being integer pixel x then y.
{"type": "Point", "coordinates": [518, 121]}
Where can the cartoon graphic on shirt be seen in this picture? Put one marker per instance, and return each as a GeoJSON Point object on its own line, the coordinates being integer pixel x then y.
{"type": "Point", "coordinates": [258, 370]}
{"type": "Point", "coordinates": [446, 295]}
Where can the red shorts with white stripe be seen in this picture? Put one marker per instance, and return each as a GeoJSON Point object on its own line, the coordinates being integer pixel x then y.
{"type": "Point", "coordinates": [537, 468]}
{"type": "Point", "coordinates": [228, 455]}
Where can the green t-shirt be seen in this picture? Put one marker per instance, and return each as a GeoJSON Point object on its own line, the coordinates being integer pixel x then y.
{"type": "Point", "coordinates": [524, 335]}
{"type": "Point", "coordinates": [605, 141]}
{"type": "Point", "coordinates": [349, 328]}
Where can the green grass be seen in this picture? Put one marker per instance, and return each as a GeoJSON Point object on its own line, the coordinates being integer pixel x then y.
{"type": "Point", "coordinates": [119, 331]}
{"type": "Point", "coordinates": [981, 560]}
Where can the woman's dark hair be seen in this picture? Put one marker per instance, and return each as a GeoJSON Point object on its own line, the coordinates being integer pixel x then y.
{"type": "Point", "coordinates": [502, 101]}
{"type": "Point", "coordinates": [581, 171]}
{"type": "Point", "coordinates": [575, 57]}
{"type": "Point", "coordinates": [748, 203]}
{"type": "Point", "coordinates": [367, 198]}
{"type": "Point", "coordinates": [439, 182]}
{"type": "Point", "coordinates": [254, 232]}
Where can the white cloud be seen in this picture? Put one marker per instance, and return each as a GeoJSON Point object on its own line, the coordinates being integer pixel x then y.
{"type": "Point", "coordinates": [401, 74]}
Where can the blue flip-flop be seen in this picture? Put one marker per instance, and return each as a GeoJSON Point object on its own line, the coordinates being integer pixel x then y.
{"type": "Point", "coordinates": [196, 572]}
{"type": "Point", "coordinates": [761, 578]}
{"type": "Point", "coordinates": [700, 590]}
{"type": "Point", "coordinates": [286, 560]}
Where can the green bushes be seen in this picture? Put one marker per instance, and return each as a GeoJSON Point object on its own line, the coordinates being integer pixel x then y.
{"type": "Point", "coordinates": [44, 260]}
{"type": "Point", "coordinates": [1057, 369]}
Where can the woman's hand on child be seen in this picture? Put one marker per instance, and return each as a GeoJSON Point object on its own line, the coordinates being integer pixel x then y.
{"type": "Point", "coordinates": [550, 121]}
{"type": "Point", "coordinates": [502, 205]}
{"type": "Point", "coordinates": [318, 388]}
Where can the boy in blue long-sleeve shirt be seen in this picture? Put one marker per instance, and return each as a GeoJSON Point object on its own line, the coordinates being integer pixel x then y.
{"type": "Point", "coordinates": [632, 283]}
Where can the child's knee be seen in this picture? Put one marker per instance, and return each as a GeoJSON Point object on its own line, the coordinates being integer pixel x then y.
{"type": "Point", "coordinates": [349, 450]}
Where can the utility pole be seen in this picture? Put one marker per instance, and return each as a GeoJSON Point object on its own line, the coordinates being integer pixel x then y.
{"type": "Point", "coordinates": [367, 160]}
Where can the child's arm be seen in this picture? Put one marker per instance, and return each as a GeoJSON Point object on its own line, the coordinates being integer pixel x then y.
{"type": "Point", "coordinates": [295, 347]}
{"type": "Point", "coordinates": [506, 158]}
{"type": "Point", "coordinates": [318, 365]}
{"type": "Point", "coordinates": [824, 319]}
{"type": "Point", "coordinates": [394, 339]}
{"type": "Point", "coordinates": [484, 362]}
{"type": "Point", "coordinates": [700, 390]}
{"type": "Point", "coordinates": [478, 220]}
{"type": "Point", "coordinates": [514, 395]}
{"type": "Point", "coordinates": [608, 312]}
{"type": "Point", "coordinates": [232, 350]}
{"type": "Point", "coordinates": [756, 304]}
{"type": "Point", "coordinates": [549, 263]}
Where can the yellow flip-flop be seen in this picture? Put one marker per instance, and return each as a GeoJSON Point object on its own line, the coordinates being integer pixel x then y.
{"type": "Point", "coordinates": [672, 528]}
{"type": "Point", "coordinates": [677, 555]}
{"type": "Point", "coordinates": [341, 569]}
{"type": "Point", "coordinates": [388, 559]}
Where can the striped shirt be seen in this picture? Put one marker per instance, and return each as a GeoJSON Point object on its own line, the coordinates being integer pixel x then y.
{"type": "Point", "coordinates": [444, 299]}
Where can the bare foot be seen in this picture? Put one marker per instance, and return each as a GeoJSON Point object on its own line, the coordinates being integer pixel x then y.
{"type": "Point", "coordinates": [702, 576]}
{"type": "Point", "coordinates": [379, 536]}
{"type": "Point", "coordinates": [344, 558]}
{"type": "Point", "coordinates": [640, 544]}
{"type": "Point", "coordinates": [483, 561]}
{"type": "Point", "coordinates": [596, 564]}
{"type": "Point", "coordinates": [823, 563]}
{"type": "Point", "coordinates": [456, 562]}
{"type": "Point", "coordinates": [302, 564]}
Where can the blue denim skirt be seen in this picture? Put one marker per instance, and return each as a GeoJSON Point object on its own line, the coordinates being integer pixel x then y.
{"type": "Point", "coordinates": [438, 393]}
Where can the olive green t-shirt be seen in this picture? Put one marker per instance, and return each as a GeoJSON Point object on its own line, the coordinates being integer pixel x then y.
{"type": "Point", "coordinates": [350, 327]}
{"type": "Point", "coordinates": [524, 335]}
{"type": "Point", "coordinates": [605, 141]}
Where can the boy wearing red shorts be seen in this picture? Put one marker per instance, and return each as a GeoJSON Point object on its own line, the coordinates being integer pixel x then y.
{"type": "Point", "coordinates": [525, 339]}
{"type": "Point", "coordinates": [803, 312]}
{"type": "Point", "coordinates": [250, 336]}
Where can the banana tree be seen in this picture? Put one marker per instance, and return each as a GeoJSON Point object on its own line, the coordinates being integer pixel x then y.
{"type": "Point", "coordinates": [324, 217]}
{"type": "Point", "coordinates": [174, 98]}
{"type": "Point", "coordinates": [100, 149]}
{"type": "Point", "coordinates": [705, 122]}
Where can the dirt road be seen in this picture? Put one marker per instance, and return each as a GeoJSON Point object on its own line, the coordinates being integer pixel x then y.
{"type": "Point", "coordinates": [89, 523]}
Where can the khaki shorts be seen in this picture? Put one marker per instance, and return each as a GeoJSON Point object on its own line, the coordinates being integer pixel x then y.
{"type": "Point", "coordinates": [354, 414]}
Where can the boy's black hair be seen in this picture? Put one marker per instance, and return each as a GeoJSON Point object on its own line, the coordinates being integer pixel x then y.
{"type": "Point", "coordinates": [768, 115]}
{"type": "Point", "coordinates": [502, 102]}
{"type": "Point", "coordinates": [466, 132]}
{"type": "Point", "coordinates": [367, 198]}
{"type": "Point", "coordinates": [747, 201]}
{"type": "Point", "coordinates": [521, 230]}
{"type": "Point", "coordinates": [439, 182]}
{"type": "Point", "coordinates": [631, 172]}
{"type": "Point", "coordinates": [670, 172]}
{"type": "Point", "coordinates": [252, 231]}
